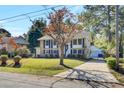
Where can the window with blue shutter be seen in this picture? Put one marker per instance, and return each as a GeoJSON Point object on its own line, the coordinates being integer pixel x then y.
{"type": "Point", "coordinates": [71, 44]}
{"type": "Point", "coordinates": [83, 43]}
{"type": "Point", "coordinates": [71, 51]}
{"type": "Point", "coordinates": [51, 43]}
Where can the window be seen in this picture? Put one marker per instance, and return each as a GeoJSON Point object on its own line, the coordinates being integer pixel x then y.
{"type": "Point", "coordinates": [75, 42]}
{"type": "Point", "coordinates": [79, 41]}
{"type": "Point", "coordinates": [55, 51]}
{"type": "Point", "coordinates": [79, 51]}
{"type": "Point", "coordinates": [47, 42]}
{"type": "Point", "coordinates": [74, 51]}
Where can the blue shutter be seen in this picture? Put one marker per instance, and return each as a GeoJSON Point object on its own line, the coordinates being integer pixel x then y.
{"type": "Point", "coordinates": [83, 42]}
{"type": "Point", "coordinates": [71, 44]}
{"type": "Point", "coordinates": [71, 51]}
{"type": "Point", "coordinates": [44, 46]}
{"type": "Point", "coordinates": [49, 45]}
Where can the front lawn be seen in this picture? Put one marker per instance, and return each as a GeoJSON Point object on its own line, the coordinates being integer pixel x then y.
{"type": "Point", "coordinates": [40, 66]}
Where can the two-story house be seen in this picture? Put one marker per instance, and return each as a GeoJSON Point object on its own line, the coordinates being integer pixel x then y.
{"type": "Point", "coordinates": [80, 44]}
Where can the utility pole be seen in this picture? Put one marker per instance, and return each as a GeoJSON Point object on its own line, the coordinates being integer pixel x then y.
{"type": "Point", "coordinates": [117, 37]}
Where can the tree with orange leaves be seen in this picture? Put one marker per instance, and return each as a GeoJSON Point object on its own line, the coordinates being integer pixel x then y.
{"type": "Point", "coordinates": [62, 28]}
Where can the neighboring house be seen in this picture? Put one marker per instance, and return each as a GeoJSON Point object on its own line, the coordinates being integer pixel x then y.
{"type": "Point", "coordinates": [79, 45]}
{"type": "Point", "coordinates": [21, 42]}
{"type": "Point", "coordinates": [12, 43]}
{"type": "Point", "coordinates": [8, 43]}
{"type": "Point", "coordinates": [4, 32]}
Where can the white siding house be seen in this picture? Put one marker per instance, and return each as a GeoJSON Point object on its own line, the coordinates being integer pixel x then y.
{"type": "Point", "coordinates": [79, 45]}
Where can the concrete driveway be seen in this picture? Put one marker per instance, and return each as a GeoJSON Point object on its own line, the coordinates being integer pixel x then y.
{"type": "Point", "coordinates": [91, 70]}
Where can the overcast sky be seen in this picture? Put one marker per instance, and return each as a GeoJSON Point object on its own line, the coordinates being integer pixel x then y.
{"type": "Point", "coordinates": [23, 23]}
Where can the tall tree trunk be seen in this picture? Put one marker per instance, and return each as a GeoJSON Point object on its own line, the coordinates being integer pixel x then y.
{"type": "Point", "coordinates": [121, 45]}
{"type": "Point", "coordinates": [62, 55]}
{"type": "Point", "coordinates": [109, 22]}
{"type": "Point", "coordinates": [117, 38]}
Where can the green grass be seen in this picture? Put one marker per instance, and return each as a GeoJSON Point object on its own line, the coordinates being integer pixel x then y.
{"type": "Point", "coordinates": [40, 66]}
{"type": "Point", "coordinates": [118, 76]}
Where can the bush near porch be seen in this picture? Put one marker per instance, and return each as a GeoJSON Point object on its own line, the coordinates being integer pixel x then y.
{"type": "Point", "coordinates": [40, 66]}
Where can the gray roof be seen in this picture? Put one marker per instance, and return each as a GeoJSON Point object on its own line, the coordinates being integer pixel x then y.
{"type": "Point", "coordinates": [21, 40]}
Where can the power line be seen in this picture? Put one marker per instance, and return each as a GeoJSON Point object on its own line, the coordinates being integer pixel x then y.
{"type": "Point", "coordinates": [26, 18]}
{"type": "Point", "coordinates": [27, 13]}
{"type": "Point", "coordinates": [19, 19]}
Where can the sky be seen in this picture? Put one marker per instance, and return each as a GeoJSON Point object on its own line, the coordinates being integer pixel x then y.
{"type": "Point", "coordinates": [22, 23]}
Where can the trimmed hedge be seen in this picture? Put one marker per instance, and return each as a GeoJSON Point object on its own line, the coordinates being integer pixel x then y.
{"type": "Point", "coordinates": [4, 58]}
{"type": "Point", "coordinates": [111, 61]}
{"type": "Point", "coordinates": [17, 61]}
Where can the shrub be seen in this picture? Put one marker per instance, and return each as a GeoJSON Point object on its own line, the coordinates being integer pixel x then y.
{"type": "Point", "coordinates": [83, 56]}
{"type": "Point", "coordinates": [46, 55]}
{"type": "Point", "coordinates": [56, 56]}
{"type": "Point", "coordinates": [79, 56]}
{"type": "Point", "coordinates": [3, 51]}
{"type": "Point", "coordinates": [23, 52]}
{"type": "Point", "coordinates": [73, 56]}
{"type": "Point", "coordinates": [17, 61]}
{"type": "Point", "coordinates": [3, 58]}
{"type": "Point", "coordinates": [121, 60]}
{"type": "Point", "coordinates": [51, 56]}
{"type": "Point", "coordinates": [111, 63]}
{"type": "Point", "coordinates": [69, 56]}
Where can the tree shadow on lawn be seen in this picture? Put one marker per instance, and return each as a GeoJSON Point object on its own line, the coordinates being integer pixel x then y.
{"type": "Point", "coordinates": [93, 80]}
{"type": "Point", "coordinates": [84, 60]}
